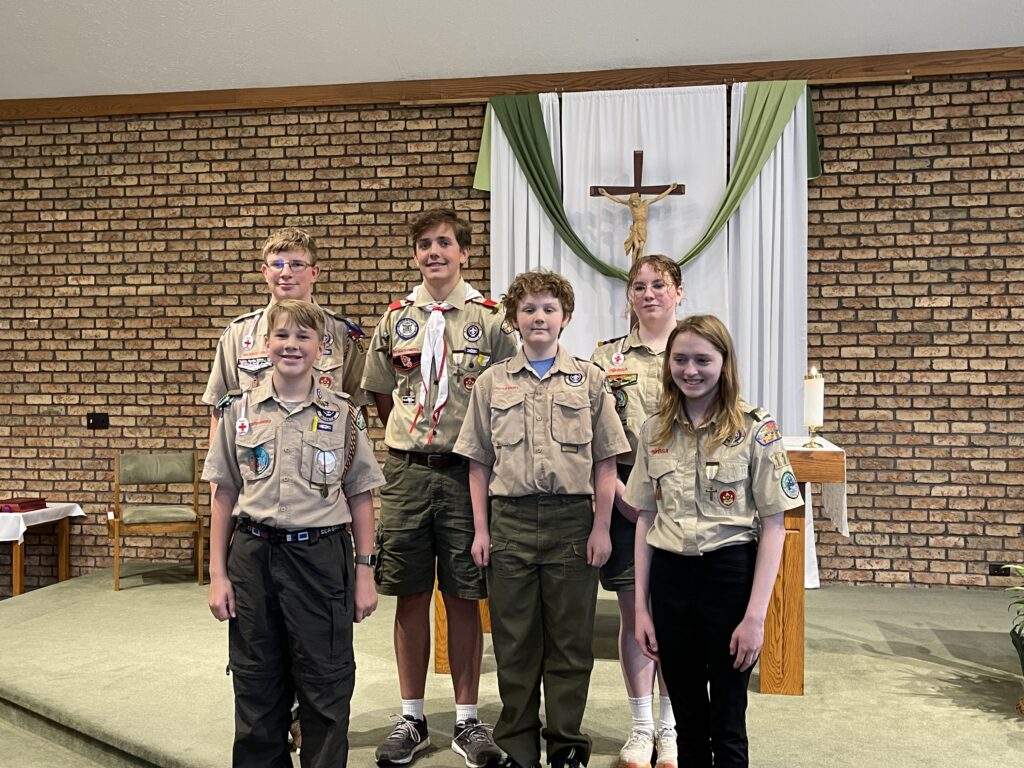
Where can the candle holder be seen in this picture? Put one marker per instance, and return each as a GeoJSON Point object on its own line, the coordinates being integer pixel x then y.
{"type": "Point", "coordinates": [813, 442]}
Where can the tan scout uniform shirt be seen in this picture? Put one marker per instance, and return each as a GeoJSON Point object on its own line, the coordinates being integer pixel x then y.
{"type": "Point", "coordinates": [474, 339]}
{"type": "Point", "coordinates": [289, 468]}
{"type": "Point", "coordinates": [705, 502]}
{"type": "Point", "coordinates": [241, 361]}
{"type": "Point", "coordinates": [633, 376]}
{"type": "Point", "coordinates": [541, 435]}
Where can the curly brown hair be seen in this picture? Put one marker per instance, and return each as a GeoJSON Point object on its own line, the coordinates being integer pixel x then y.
{"type": "Point", "coordinates": [538, 281]}
{"type": "Point", "coordinates": [437, 217]}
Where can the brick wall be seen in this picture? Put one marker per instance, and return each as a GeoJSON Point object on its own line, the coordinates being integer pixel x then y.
{"type": "Point", "coordinates": [916, 310]}
{"type": "Point", "coordinates": [126, 245]}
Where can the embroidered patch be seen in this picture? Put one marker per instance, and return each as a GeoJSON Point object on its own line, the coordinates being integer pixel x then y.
{"type": "Point", "coordinates": [408, 399]}
{"type": "Point", "coordinates": [247, 342]}
{"type": "Point", "coordinates": [325, 461]}
{"type": "Point", "coordinates": [618, 358]}
{"type": "Point", "coordinates": [326, 414]}
{"type": "Point", "coordinates": [622, 379]}
{"type": "Point", "coordinates": [242, 427]}
{"type": "Point", "coordinates": [321, 399]}
{"type": "Point", "coordinates": [789, 485]}
{"type": "Point", "coordinates": [621, 398]}
{"type": "Point", "coordinates": [407, 328]}
{"type": "Point", "coordinates": [574, 379]}
{"type": "Point", "coordinates": [779, 460]}
{"type": "Point", "coordinates": [768, 433]}
{"type": "Point", "coordinates": [727, 498]}
{"type": "Point", "coordinates": [507, 327]}
{"type": "Point", "coordinates": [360, 420]}
{"type": "Point", "coordinates": [325, 381]}
{"type": "Point", "coordinates": [405, 360]}
{"type": "Point", "coordinates": [254, 364]}
{"type": "Point", "coordinates": [736, 439]}
{"type": "Point", "coordinates": [654, 451]}
{"type": "Point", "coordinates": [259, 460]}
{"type": "Point", "coordinates": [328, 340]}
{"type": "Point", "coordinates": [472, 332]}
{"type": "Point", "coordinates": [324, 426]}
{"type": "Point", "coordinates": [468, 382]}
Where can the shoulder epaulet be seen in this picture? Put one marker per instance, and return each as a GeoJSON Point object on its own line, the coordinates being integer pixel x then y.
{"type": "Point", "coordinates": [398, 304]}
{"type": "Point", "coordinates": [757, 414]}
{"type": "Point", "coordinates": [610, 341]}
{"type": "Point", "coordinates": [228, 399]}
{"type": "Point", "coordinates": [488, 302]}
{"type": "Point", "coordinates": [246, 316]}
{"type": "Point", "coordinates": [354, 330]}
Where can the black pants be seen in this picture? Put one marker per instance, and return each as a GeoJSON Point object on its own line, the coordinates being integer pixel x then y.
{"type": "Point", "coordinates": [293, 635]}
{"type": "Point", "coordinates": [696, 603]}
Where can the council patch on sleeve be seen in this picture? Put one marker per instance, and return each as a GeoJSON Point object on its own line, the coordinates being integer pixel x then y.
{"type": "Point", "coordinates": [768, 433]}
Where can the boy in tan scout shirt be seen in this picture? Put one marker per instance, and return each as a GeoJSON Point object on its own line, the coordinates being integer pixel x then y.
{"type": "Point", "coordinates": [295, 458]}
{"type": "Point", "coordinates": [241, 361]}
{"type": "Point", "coordinates": [542, 436]}
{"type": "Point", "coordinates": [425, 356]}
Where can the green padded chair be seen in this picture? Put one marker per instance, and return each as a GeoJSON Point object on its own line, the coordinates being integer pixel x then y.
{"type": "Point", "coordinates": [155, 468]}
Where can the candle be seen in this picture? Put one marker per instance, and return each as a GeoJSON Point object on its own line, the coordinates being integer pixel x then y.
{"type": "Point", "coordinates": [814, 399]}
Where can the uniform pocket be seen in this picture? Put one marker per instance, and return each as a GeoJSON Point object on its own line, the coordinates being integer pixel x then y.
{"type": "Point", "coordinates": [570, 418]}
{"type": "Point", "coordinates": [322, 459]}
{"type": "Point", "coordinates": [255, 454]}
{"type": "Point", "coordinates": [727, 495]}
{"type": "Point", "coordinates": [508, 419]}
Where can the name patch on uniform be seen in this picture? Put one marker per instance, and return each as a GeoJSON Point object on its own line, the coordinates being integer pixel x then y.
{"type": "Point", "coordinates": [736, 439]}
{"type": "Point", "coordinates": [768, 433]}
{"type": "Point", "coordinates": [407, 328]}
{"type": "Point", "coordinates": [472, 331]}
{"type": "Point", "coordinates": [789, 485]}
{"type": "Point", "coordinates": [259, 460]}
{"type": "Point", "coordinates": [405, 361]}
{"type": "Point", "coordinates": [254, 364]}
{"type": "Point", "coordinates": [654, 451]}
{"type": "Point", "coordinates": [574, 379]}
{"type": "Point", "coordinates": [727, 498]}
{"type": "Point", "coordinates": [570, 448]}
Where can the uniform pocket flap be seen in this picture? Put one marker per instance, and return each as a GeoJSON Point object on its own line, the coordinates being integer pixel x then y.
{"type": "Point", "coordinates": [573, 400]}
{"type": "Point", "coordinates": [732, 471]}
{"type": "Point", "coordinates": [502, 401]}
{"type": "Point", "coordinates": [325, 441]}
{"type": "Point", "coordinates": [660, 467]}
{"type": "Point", "coordinates": [255, 437]}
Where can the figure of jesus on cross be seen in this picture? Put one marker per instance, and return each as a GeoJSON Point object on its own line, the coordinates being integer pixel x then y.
{"type": "Point", "coordinates": [638, 207]}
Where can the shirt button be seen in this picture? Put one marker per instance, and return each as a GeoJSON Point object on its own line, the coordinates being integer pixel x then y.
{"type": "Point", "coordinates": [537, 450]}
{"type": "Point", "coordinates": [285, 479]}
{"type": "Point", "coordinates": [540, 418]}
{"type": "Point", "coordinates": [287, 450]}
{"type": "Point", "coordinates": [284, 509]}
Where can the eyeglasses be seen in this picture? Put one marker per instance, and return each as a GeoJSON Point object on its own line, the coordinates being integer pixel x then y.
{"type": "Point", "coordinates": [658, 286]}
{"type": "Point", "coordinates": [295, 265]}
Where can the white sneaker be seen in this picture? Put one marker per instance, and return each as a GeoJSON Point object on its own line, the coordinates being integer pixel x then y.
{"type": "Point", "coordinates": [637, 751]}
{"type": "Point", "coordinates": [668, 750]}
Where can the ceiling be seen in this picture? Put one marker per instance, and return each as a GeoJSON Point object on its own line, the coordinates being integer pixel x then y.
{"type": "Point", "coordinates": [102, 47]}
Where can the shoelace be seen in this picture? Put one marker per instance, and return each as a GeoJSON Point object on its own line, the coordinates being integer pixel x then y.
{"type": "Point", "coordinates": [477, 732]}
{"type": "Point", "coordinates": [404, 729]}
{"type": "Point", "coordinates": [638, 738]}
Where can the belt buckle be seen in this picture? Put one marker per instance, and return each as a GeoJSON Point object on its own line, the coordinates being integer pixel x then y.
{"type": "Point", "coordinates": [437, 460]}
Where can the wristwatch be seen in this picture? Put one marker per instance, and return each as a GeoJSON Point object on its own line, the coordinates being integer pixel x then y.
{"type": "Point", "coordinates": [370, 560]}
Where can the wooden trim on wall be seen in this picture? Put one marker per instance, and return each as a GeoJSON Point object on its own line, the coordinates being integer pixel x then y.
{"type": "Point", "coordinates": [854, 69]}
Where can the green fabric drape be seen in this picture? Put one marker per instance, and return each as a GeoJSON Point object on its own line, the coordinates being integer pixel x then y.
{"type": "Point", "coordinates": [482, 177]}
{"type": "Point", "coordinates": [523, 123]}
{"type": "Point", "coordinates": [767, 109]}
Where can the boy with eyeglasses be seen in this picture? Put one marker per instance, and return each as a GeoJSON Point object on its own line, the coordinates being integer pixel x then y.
{"type": "Point", "coordinates": [241, 362]}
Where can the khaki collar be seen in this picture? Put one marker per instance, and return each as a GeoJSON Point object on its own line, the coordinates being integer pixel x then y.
{"type": "Point", "coordinates": [265, 391]}
{"type": "Point", "coordinates": [457, 297]}
{"type": "Point", "coordinates": [564, 362]}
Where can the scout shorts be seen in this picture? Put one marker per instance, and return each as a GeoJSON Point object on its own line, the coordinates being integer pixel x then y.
{"type": "Point", "coordinates": [617, 573]}
{"type": "Point", "coordinates": [426, 527]}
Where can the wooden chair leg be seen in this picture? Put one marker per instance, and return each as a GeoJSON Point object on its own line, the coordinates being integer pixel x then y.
{"type": "Point", "coordinates": [200, 553]}
{"type": "Point", "coordinates": [117, 557]}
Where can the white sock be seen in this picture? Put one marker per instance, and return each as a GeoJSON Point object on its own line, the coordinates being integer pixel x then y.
{"type": "Point", "coordinates": [413, 708]}
{"type": "Point", "coordinates": [666, 717]}
{"type": "Point", "coordinates": [642, 709]}
{"type": "Point", "coordinates": [464, 712]}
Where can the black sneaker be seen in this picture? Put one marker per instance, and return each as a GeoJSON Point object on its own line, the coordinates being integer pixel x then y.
{"type": "Point", "coordinates": [408, 738]}
{"type": "Point", "coordinates": [474, 742]}
{"type": "Point", "coordinates": [566, 758]}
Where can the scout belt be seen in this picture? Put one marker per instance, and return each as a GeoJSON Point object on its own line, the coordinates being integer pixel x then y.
{"type": "Point", "coordinates": [432, 460]}
{"type": "Point", "coordinates": [286, 535]}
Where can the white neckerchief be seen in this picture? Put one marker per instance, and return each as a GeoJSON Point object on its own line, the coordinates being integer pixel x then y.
{"type": "Point", "coordinates": [433, 360]}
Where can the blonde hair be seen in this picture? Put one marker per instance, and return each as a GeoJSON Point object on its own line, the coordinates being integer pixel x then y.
{"type": "Point", "coordinates": [290, 239]}
{"type": "Point", "coordinates": [539, 281]}
{"type": "Point", "coordinates": [725, 411]}
{"type": "Point", "coordinates": [304, 314]}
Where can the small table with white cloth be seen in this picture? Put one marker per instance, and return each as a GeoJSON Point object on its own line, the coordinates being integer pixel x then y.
{"type": "Point", "coordinates": [13, 526]}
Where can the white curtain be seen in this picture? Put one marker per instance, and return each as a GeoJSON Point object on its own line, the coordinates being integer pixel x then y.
{"type": "Point", "coordinates": [522, 236]}
{"type": "Point", "coordinates": [768, 283]}
{"type": "Point", "coordinates": [682, 132]}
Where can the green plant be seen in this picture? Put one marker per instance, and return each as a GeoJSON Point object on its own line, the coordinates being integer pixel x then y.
{"type": "Point", "coordinates": [1017, 614]}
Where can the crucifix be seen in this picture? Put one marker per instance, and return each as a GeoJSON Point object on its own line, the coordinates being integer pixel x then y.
{"type": "Point", "coordinates": [637, 238]}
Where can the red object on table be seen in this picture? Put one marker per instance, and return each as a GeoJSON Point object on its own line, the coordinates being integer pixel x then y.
{"type": "Point", "coordinates": [22, 504]}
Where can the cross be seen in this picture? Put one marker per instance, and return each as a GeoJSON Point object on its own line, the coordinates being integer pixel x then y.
{"type": "Point", "coordinates": [637, 237]}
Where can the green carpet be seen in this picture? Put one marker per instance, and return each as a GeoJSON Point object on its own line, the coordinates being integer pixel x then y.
{"type": "Point", "coordinates": [894, 678]}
